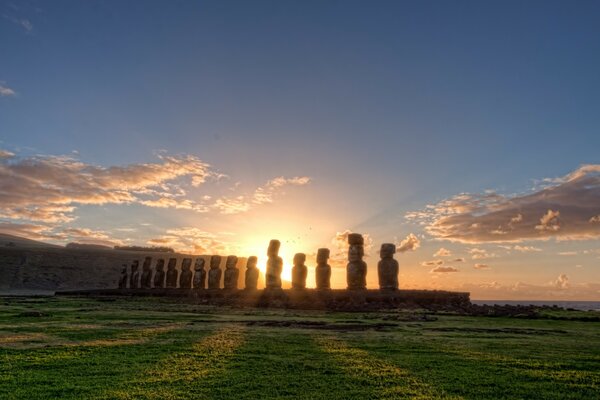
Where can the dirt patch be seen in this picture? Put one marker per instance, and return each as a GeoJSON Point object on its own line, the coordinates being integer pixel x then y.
{"type": "Point", "coordinates": [510, 331]}
{"type": "Point", "coordinates": [342, 327]}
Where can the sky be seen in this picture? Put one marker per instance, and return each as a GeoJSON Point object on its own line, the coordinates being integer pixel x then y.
{"type": "Point", "coordinates": [464, 132]}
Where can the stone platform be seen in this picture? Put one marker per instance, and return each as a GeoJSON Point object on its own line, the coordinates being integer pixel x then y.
{"type": "Point", "coordinates": [337, 299]}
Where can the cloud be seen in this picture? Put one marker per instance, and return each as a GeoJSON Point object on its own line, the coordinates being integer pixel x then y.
{"type": "Point", "coordinates": [191, 240]}
{"type": "Point", "coordinates": [262, 195]}
{"type": "Point", "coordinates": [564, 209]}
{"type": "Point", "coordinates": [480, 254]}
{"type": "Point", "coordinates": [526, 249]}
{"type": "Point", "coordinates": [410, 243]}
{"type": "Point", "coordinates": [444, 269]}
{"type": "Point", "coordinates": [481, 266]}
{"type": "Point", "coordinates": [432, 263]}
{"type": "Point", "coordinates": [567, 253]}
{"type": "Point", "coordinates": [50, 188]}
{"type": "Point", "coordinates": [562, 282]}
{"type": "Point", "coordinates": [595, 218]}
{"type": "Point", "coordinates": [5, 91]}
{"type": "Point", "coordinates": [442, 252]}
{"type": "Point", "coordinates": [22, 22]}
{"type": "Point", "coordinates": [460, 259]}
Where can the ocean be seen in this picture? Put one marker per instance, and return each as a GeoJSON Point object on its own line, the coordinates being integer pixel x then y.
{"type": "Point", "coordinates": [577, 305]}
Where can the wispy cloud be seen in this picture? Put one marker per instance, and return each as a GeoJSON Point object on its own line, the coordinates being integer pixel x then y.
{"type": "Point", "coordinates": [192, 240]}
{"type": "Point", "coordinates": [442, 252]}
{"type": "Point", "coordinates": [410, 243]}
{"type": "Point", "coordinates": [5, 91]}
{"type": "Point", "coordinates": [481, 266]}
{"type": "Point", "coordinates": [443, 269]}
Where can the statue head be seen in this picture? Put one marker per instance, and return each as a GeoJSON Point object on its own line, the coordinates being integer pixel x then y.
{"type": "Point", "coordinates": [273, 250]}
{"type": "Point", "coordinates": [355, 253]}
{"type": "Point", "coordinates": [186, 263]}
{"type": "Point", "coordinates": [134, 265]}
{"type": "Point", "coordinates": [322, 256]}
{"type": "Point", "coordinates": [355, 239]}
{"type": "Point", "coordinates": [160, 264]}
{"type": "Point", "coordinates": [299, 258]}
{"type": "Point", "coordinates": [199, 265]}
{"type": "Point", "coordinates": [172, 263]}
{"type": "Point", "coordinates": [215, 262]}
{"type": "Point", "coordinates": [251, 262]}
{"type": "Point", "coordinates": [147, 262]}
{"type": "Point", "coordinates": [230, 262]}
{"type": "Point", "coordinates": [387, 250]}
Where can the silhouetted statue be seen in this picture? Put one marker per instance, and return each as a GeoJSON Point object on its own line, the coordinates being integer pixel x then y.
{"type": "Point", "coordinates": [251, 278]}
{"type": "Point", "coordinates": [185, 280]}
{"type": "Point", "coordinates": [159, 275]}
{"type": "Point", "coordinates": [134, 278]}
{"type": "Point", "coordinates": [323, 270]}
{"type": "Point", "coordinates": [356, 270]}
{"type": "Point", "coordinates": [123, 277]}
{"type": "Point", "coordinates": [299, 271]}
{"type": "Point", "coordinates": [214, 274]}
{"type": "Point", "coordinates": [274, 266]}
{"type": "Point", "coordinates": [387, 269]}
{"type": "Point", "coordinates": [172, 273]}
{"type": "Point", "coordinates": [232, 274]}
{"type": "Point", "coordinates": [199, 274]}
{"type": "Point", "coordinates": [146, 281]}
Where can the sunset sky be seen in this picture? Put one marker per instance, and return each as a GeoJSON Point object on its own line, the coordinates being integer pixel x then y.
{"type": "Point", "coordinates": [465, 132]}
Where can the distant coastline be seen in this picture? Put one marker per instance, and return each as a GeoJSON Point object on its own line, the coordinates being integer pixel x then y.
{"type": "Point", "coordinates": [577, 305]}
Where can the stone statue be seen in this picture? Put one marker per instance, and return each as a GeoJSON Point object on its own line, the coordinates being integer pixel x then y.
{"type": "Point", "coordinates": [185, 279]}
{"type": "Point", "coordinates": [159, 275]}
{"type": "Point", "coordinates": [274, 266]}
{"type": "Point", "coordinates": [146, 281]}
{"type": "Point", "coordinates": [251, 278]}
{"type": "Point", "coordinates": [123, 277]}
{"type": "Point", "coordinates": [356, 270]}
{"type": "Point", "coordinates": [214, 274]}
{"type": "Point", "coordinates": [232, 274]}
{"type": "Point", "coordinates": [134, 278]}
{"type": "Point", "coordinates": [299, 271]}
{"type": "Point", "coordinates": [172, 273]}
{"type": "Point", "coordinates": [323, 270]}
{"type": "Point", "coordinates": [199, 274]}
{"type": "Point", "coordinates": [387, 269]}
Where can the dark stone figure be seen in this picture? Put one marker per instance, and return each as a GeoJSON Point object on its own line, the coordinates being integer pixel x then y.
{"type": "Point", "coordinates": [134, 278]}
{"type": "Point", "coordinates": [123, 277]}
{"type": "Point", "coordinates": [387, 269]}
{"type": "Point", "coordinates": [214, 274]}
{"type": "Point", "coordinates": [159, 275]}
{"type": "Point", "coordinates": [299, 271]}
{"type": "Point", "coordinates": [185, 279]}
{"type": "Point", "coordinates": [323, 270]}
{"type": "Point", "coordinates": [232, 274]}
{"type": "Point", "coordinates": [251, 278]}
{"type": "Point", "coordinates": [199, 274]}
{"type": "Point", "coordinates": [172, 273]}
{"type": "Point", "coordinates": [274, 266]}
{"type": "Point", "coordinates": [146, 281]}
{"type": "Point", "coordinates": [356, 270]}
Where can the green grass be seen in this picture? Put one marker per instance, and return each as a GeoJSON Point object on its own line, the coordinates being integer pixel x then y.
{"type": "Point", "coordinates": [157, 348]}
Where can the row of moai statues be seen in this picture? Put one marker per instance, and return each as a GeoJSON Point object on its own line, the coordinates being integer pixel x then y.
{"type": "Point", "coordinates": [188, 280]}
{"type": "Point", "coordinates": [356, 270]}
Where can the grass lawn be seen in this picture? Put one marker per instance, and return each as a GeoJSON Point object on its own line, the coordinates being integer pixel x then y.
{"type": "Point", "coordinates": [78, 348]}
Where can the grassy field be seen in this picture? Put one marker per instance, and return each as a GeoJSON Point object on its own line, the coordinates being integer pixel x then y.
{"type": "Point", "coordinates": [150, 348]}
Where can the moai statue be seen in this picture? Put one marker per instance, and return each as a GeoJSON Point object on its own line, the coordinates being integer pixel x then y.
{"type": "Point", "coordinates": [387, 269]}
{"type": "Point", "coordinates": [159, 275]}
{"type": "Point", "coordinates": [356, 270]}
{"type": "Point", "coordinates": [214, 274]}
{"type": "Point", "coordinates": [232, 274]}
{"type": "Point", "coordinates": [123, 277]}
{"type": "Point", "coordinates": [185, 279]}
{"type": "Point", "coordinates": [251, 278]}
{"type": "Point", "coordinates": [172, 273]}
{"type": "Point", "coordinates": [134, 278]}
{"type": "Point", "coordinates": [199, 274]}
{"type": "Point", "coordinates": [323, 270]}
{"type": "Point", "coordinates": [299, 271]}
{"type": "Point", "coordinates": [146, 273]}
{"type": "Point", "coordinates": [274, 266]}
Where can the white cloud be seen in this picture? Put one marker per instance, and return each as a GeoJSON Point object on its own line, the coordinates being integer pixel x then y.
{"type": "Point", "coordinates": [526, 249]}
{"type": "Point", "coordinates": [5, 91]}
{"type": "Point", "coordinates": [444, 269]}
{"type": "Point", "coordinates": [192, 240]}
{"type": "Point", "coordinates": [480, 254]}
{"type": "Point", "coordinates": [410, 243]}
{"type": "Point", "coordinates": [442, 252]}
{"type": "Point", "coordinates": [481, 266]}
{"type": "Point", "coordinates": [432, 263]}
